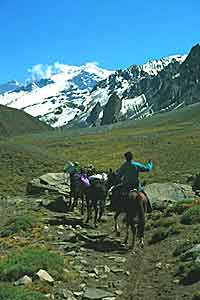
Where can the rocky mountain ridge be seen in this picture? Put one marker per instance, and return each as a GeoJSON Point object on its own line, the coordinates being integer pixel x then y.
{"type": "Point", "coordinates": [90, 96]}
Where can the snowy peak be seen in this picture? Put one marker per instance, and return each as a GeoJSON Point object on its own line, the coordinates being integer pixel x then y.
{"type": "Point", "coordinates": [153, 67]}
{"type": "Point", "coordinates": [57, 92]}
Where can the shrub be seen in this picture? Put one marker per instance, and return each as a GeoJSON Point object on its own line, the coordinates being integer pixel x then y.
{"type": "Point", "coordinates": [184, 246]}
{"type": "Point", "coordinates": [181, 206]}
{"type": "Point", "coordinates": [191, 273]}
{"type": "Point", "coordinates": [191, 216]}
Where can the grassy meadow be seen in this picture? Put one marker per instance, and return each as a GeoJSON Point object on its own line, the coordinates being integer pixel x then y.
{"type": "Point", "coordinates": [171, 140]}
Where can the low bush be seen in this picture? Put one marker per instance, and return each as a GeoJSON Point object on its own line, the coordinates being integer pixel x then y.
{"type": "Point", "coordinates": [191, 216]}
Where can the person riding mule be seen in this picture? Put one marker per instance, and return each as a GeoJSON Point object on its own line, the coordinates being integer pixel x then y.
{"type": "Point", "coordinates": [129, 174]}
{"type": "Point", "coordinates": [128, 197]}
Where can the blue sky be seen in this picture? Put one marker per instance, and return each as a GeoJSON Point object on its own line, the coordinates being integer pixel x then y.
{"type": "Point", "coordinates": [114, 33]}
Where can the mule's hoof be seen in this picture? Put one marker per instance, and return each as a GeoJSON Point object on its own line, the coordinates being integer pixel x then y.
{"type": "Point", "coordinates": [141, 244]}
{"type": "Point", "coordinates": [125, 245]}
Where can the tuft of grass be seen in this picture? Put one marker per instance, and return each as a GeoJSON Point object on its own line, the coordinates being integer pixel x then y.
{"type": "Point", "coordinates": [165, 222]}
{"type": "Point", "coordinates": [8, 292]}
{"type": "Point", "coordinates": [163, 232]}
{"type": "Point", "coordinates": [19, 224]}
{"type": "Point", "coordinates": [196, 296]}
{"type": "Point", "coordinates": [184, 246]}
{"type": "Point", "coordinates": [191, 216]}
{"type": "Point", "coordinates": [28, 261]}
{"type": "Point", "coordinates": [189, 272]}
{"type": "Point", "coordinates": [181, 206]}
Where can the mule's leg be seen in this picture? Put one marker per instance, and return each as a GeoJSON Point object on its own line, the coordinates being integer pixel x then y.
{"type": "Point", "coordinates": [133, 229]}
{"type": "Point", "coordinates": [141, 224]}
{"type": "Point", "coordinates": [116, 223]}
{"type": "Point", "coordinates": [101, 209]}
{"type": "Point", "coordinates": [96, 210]}
{"type": "Point", "coordinates": [127, 233]}
{"type": "Point", "coordinates": [70, 200]}
{"type": "Point", "coordinates": [82, 204]}
{"type": "Point", "coordinates": [89, 210]}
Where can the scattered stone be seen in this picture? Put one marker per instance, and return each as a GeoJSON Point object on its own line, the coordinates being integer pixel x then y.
{"type": "Point", "coordinates": [94, 293]}
{"type": "Point", "coordinates": [159, 265]}
{"type": "Point", "coordinates": [44, 276]}
{"type": "Point", "coordinates": [92, 275]}
{"type": "Point", "coordinates": [118, 292]}
{"type": "Point", "coordinates": [46, 228]}
{"type": "Point", "coordinates": [71, 253]}
{"type": "Point", "coordinates": [117, 270]}
{"type": "Point", "coordinates": [106, 269]}
{"type": "Point", "coordinates": [127, 273]}
{"type": "Point", "coordinates": [78, 294]}
{"type": "Point", "coordinates": [84, 262]}
{"type": "Point", "coordinates": [96, 271]}
{"type": "Point", "coordinates": [120, 259]}
{"type": "Point", "coordinates": [59, 232]}
{"type": "Point", "coordinates": [83, 274]}
{"type": "Point", "coordinates": [83, 285]}
{"type": "Point", "coordinates": [176, 281]}
{"type": "Point", "coordinates": [61, 227]}
{"type": "Point", "coordinates": [78, 227]}
{"type": "Point", "coordinates": [68, 227]}
{"type": "Point", "coordinates": [24, 280]}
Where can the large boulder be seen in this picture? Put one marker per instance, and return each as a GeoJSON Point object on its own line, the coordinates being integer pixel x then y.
{"type": "Point", "coordinates": [51, 182]}
{"type": "Point", "coordinates": [161, 194]}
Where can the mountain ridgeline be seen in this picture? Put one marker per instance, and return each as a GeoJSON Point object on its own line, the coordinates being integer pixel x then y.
{"type": "Point", "coordinates": [89, 96]}
{"type": "Point", "coordinates": [16, 122]}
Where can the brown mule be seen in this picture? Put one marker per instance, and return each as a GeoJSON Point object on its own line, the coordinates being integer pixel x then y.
{"type": "Point", "coordinates": [134, 204]}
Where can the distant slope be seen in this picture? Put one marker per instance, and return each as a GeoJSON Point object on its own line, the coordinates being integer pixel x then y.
{"type": "Point", "coordinates": [17, 122]}
{"type": "Point", "coordinates": [171, 140]}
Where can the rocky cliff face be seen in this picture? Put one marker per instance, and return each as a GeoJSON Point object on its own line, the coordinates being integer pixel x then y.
{"type": "Point", "coordinates": [112, 110]}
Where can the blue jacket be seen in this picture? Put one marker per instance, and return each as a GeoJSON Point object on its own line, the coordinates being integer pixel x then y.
{"type": "Point", "coordinates": [129, 172]}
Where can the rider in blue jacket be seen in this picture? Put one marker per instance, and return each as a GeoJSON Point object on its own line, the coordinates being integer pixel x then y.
{"type": "Point", "coordinates": [129, 173]}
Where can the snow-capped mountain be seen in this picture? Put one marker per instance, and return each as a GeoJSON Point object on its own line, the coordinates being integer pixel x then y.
{"type": "Point", "coordinates": [130, 88]}
{"type": "Point", "coordinates": [91, 96]}
{"type": "Point", "coordinates": [57, 99]}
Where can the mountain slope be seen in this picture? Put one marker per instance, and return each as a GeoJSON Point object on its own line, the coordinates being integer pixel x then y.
{"type": "Point", "coordinates": [17, 122]}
